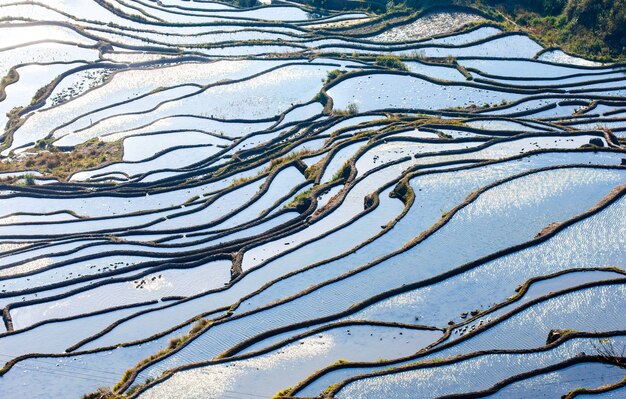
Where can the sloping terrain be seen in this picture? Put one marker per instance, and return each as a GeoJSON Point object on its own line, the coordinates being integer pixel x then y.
{"type": "Point", "coordinates": [205, 201]}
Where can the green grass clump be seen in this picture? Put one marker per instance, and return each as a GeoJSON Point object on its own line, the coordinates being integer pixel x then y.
{"type": "Point", "coordinates": [329, 389]}
{"type": "Point", "coordinates": [282, 393]}
{"type": "Point", "coordinates": [391, 61]}
{"type": "Point", "coordinates": [102, 393]}
{"type": "Point", "coordinates": [198, 326]}
{"type": "Point", "coordinates": [312, 171]}
{"type": "Point", "coordinates": [299, 200]}
{"type": "Point", "coordinates": [334, 74]}
{"type": "Point", "coordinates": [343, 172]}
{"type": "Point", "coordinates": [351, 109]}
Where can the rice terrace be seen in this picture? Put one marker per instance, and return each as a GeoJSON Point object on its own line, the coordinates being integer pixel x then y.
{"type": "Point", "coordinates": [312, 199]}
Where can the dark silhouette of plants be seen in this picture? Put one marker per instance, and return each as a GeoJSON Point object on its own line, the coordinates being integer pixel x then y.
{"type": "Point", "coordinates": [610, 353]}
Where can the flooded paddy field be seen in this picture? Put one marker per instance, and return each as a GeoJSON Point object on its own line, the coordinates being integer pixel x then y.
{"type": "Point", "coordinates": [200, 200]}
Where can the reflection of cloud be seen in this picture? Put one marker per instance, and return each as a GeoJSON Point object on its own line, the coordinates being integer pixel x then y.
{"type": "Point", "coordinates": [217, 380]}
{"type": "Point", "coordinates": [27, 267]}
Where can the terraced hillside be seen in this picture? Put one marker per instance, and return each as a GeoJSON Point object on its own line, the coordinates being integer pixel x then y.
{"type": "Point", "coordinates": [206, 201]}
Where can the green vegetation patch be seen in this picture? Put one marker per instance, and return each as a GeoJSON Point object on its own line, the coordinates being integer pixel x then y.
{"type": "Point", "coordinates": [391, 61]}
{"type": "Point", "coordinates": [592, 29]}
{"type": "Point", "coordinates": [52, 162]}
{"type": "Point", "coordinates": [351, 109]}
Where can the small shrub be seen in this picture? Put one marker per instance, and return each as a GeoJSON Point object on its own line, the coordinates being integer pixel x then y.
{"type": "Point", "coordinates": [173, 343]}
{"type": "Point", "coordinates": [199, 325]}
{"type": "Point", "coordinates": [418, 54]}
{"type": "Point", "coordinates": [29, 179]}
{"type": "Point", "coordinates": [451, 60]}
{"type": "Point", "coordinates": [245, 3]}
{"type": "Point", "coordinates": [334, 74]}
{"type": "Point", "coordinates": [391, 61]}
{"type": "Point", "coordinates": [176, 342]}
{"type": "Point", "coordinates": [352, 109]}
